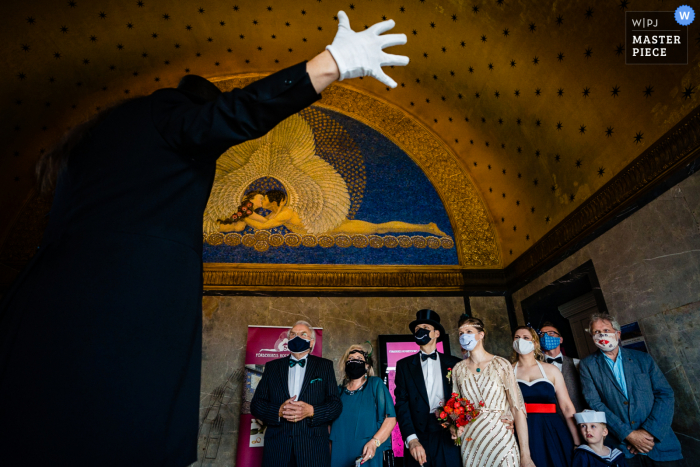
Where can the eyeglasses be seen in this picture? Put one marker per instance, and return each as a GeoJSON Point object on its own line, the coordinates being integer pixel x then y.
{"type": "Point", "coordinates": [303, 335]}
{"type": "Point", "coordinates": [550, 333]}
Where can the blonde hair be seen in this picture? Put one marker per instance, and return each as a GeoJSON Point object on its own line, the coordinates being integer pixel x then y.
{"type": "Point", "coordinates": [344, 358]}
{"type": "Point", "coordinates": [539, 355]}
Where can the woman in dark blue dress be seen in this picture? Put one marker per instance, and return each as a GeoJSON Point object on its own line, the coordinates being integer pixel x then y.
{"type": "Point", "coordinates": [368, 417]}
{"type": "Point", "coordinates": [551, 439]}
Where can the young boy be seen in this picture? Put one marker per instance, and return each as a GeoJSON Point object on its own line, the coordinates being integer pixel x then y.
{"type": "Point", "coordinates": [594, 453]}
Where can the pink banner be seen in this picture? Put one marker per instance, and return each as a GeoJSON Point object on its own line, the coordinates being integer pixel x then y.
{"type": "Point", "coordinates": [265, 343]}
{"type": "Point", "coordinates": [395, 351]}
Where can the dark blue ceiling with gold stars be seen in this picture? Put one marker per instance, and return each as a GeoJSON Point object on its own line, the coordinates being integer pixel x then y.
{"type": "Point", "coordinates": [533, 97]}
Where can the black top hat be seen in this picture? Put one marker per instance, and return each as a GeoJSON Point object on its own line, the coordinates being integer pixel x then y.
{"type": "Point", "coordinates": [427, 317]}
{"type": "Point", "coordinates": [201, 89]}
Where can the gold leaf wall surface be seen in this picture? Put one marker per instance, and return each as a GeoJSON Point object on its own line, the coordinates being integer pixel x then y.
{"type": "Point", "coordinates": [533, 98]}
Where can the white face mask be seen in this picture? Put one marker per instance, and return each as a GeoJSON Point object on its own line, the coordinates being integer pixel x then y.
{"type": "Point", "coordinates": [605, 342]}
{"type": "Point", "coordinates": [468, 341]}
{"type": "Point", "coordinates": [522, 346]}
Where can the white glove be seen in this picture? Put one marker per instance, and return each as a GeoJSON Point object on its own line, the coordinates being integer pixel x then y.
{"type": "Point", "coordinates": [360, 53]}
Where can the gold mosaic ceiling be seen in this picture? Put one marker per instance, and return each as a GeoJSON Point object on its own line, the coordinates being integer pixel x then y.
{"type": "Point", "coordinates": [533, 97]}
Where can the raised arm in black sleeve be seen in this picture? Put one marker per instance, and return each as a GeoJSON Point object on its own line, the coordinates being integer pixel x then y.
{"type": "Point", "coordinates": [208, 130]}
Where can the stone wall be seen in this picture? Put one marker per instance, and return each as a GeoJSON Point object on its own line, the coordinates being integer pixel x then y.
{"type": "Point", "coordinates": [649, 271]}
{"type": "Point", "coordinates": [345, 321]}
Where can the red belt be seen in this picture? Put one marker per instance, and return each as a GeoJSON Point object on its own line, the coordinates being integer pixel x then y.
{"type": "Point", "coordinates": [540, 408]}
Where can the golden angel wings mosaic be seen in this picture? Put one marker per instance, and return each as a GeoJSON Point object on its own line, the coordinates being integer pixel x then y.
{"type": "Point", "coordinates": [306, 200]}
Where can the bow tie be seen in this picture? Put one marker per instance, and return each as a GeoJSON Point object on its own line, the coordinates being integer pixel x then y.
{"type": "Point", "coordinates": [424, 357]}
{"type": "Point", "coordinates": [301, 363]}
{"type": "Point", "coordinates": [558, 360]}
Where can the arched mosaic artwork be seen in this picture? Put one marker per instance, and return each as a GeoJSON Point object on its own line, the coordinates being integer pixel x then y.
{"type": "Point", "coordinates": [323, 188]}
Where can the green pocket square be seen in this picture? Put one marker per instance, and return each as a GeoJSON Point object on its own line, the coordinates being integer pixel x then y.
{"type": "Point", "coordinates": [314, 380]}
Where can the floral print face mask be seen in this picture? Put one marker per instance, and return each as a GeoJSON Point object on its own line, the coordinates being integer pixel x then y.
{"type": "Point", "coordinates": [606, 341]}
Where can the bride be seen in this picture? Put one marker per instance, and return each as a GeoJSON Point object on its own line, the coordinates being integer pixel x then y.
{"type": "Point", "coordinates": [483, 377]}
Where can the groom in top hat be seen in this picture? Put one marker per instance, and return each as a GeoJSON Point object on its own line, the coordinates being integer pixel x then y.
{"type": "Point", "coordinates": [421, 387]}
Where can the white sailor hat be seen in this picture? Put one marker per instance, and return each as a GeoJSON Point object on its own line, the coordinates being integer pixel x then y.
{"type": "Point", "coordinates": [590, 416]}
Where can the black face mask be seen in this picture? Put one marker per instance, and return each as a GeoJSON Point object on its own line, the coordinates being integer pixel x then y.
{"type": "Point", "coordinates": [298, 345]}
{"type": "Point", "coordinates": [422, 336]}
{"type": "Point", "coordinates": [355, 369]}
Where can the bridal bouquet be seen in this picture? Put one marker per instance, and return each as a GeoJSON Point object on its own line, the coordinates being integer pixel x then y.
{"type": "Point", "coordinates": [457, 412]}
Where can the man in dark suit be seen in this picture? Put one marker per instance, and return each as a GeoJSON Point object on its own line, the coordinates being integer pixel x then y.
{"type": "Point", "coordinates": [550, 341]}
{"type": "Point", "coordinates": [633, 392]}
{"type": "Point", "coordinates": [421, 387]}
{"type": "Point", "coordinates": [297, 397]}
{"type": "Point", "coordinates": [109, 311]}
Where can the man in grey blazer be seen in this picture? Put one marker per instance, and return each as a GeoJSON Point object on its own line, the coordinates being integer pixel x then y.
{"type": "Point", "coordinates": [637, 400]}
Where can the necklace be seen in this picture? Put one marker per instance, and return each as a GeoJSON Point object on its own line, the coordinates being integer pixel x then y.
{"type": "Point", "coordinates": [478, 365]}
{"type": "Point", "coordinates": [350, 392]}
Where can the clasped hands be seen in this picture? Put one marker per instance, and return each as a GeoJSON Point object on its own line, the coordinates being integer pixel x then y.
{"type": "Point", "coordinates": [640, 441]}
{"type": "Point", "coordinates": [294, 411]}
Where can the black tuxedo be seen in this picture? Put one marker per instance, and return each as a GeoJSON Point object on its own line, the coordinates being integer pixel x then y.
{"type": "Point", "coordinates": [101, 335]}
{"type": "Point", "coordinates": [308, 438]}
{"type": "Point", "coordinates": [413, 412]}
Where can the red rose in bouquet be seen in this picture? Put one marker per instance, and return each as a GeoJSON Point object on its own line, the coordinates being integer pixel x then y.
{"type": "Point", "coordinates": [457, 412]}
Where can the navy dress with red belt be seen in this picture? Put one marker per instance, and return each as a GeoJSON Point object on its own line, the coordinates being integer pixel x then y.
{"type": "Point", "coordinates": [550, 440]}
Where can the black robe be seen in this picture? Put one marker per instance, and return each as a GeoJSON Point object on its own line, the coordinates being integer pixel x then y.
{"type": "Point", "coordinates": [101, 335]}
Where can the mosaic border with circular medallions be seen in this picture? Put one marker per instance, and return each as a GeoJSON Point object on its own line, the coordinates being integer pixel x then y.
{"type": "Point", "coordinates": [263, 240]}
{"type": "Point", "coordinates": [474, 233]}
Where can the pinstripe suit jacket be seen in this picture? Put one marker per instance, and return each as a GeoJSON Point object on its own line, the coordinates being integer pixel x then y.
{"type": "Point", "coordinates": [308, 437]}
{"type": "Point", "coordinates": [650, 403]}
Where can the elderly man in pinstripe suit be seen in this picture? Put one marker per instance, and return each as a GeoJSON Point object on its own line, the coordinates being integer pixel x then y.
{"type": "Point", "coordinates": [297, 398]}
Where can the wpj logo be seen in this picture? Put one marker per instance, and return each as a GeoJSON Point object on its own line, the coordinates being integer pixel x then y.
{"type": "Point", "coordinates": [640, 23]}
{"type": "Point", "coordinates": [657, 37]}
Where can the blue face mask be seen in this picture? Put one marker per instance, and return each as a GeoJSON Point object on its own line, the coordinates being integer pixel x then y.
{"type": "Point", "coordinates": [548, 342]}
{"type": "Point", "coordinates": [468, 341]}
{"type": "Point", "coordinates": [298, 344]}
